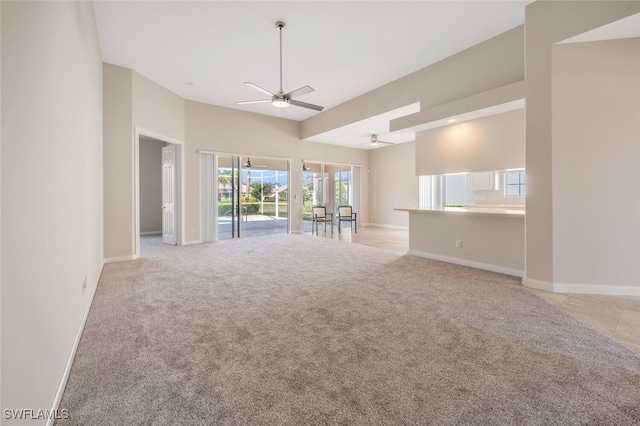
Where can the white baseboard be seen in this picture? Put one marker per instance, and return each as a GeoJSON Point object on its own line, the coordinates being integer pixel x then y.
{"type": "Point", "coordinates": [151, 233]}
{"type": "Point", "coordinates": [119, 259]}
{"type": "Point", "coordinates": [381, 225]}
{"type": "Point", "coordinates": [470, 263]}
{"type": "Point", "coordinates": [191, 242]}
{"type": "Point", "coordinates": [537, 284]}
{"type": "Point", "coordinates": [610, 290]}
{"type": "Point", "coordinates": [72, 354]}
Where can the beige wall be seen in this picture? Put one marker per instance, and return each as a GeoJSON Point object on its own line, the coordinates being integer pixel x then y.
{"type": "Point", "coordinates": [546, 24]}
{"type": "Point", "coordinates": [596, 163]}
{"type": "Point", "coordinates": [490, 143]}
{"type": "Point", "coordinates": [489, 65]}
{"type": "Point", "coordinates": [51, 169]}
{"type": "Point", "coordinates": [226, 130]}
{"type": "Point", "coordinates": [496, 62]}
{"type": "Point", "coordinates": [156, 109]}
{"type": "Point", "coordinates": [51, 192]}
{"type": "Point", "coordinates": [151, 185]}
{"type": "Point", "coordinates": [392, 184]}
{"type": "Point", "coordinates": [131, 101]}
{"type": "Point", "coordinates": [118, 162]}
{"type": "Point", "coordinates": [492, 64]}
{"type": "Point", "coordinates": [492, 242]}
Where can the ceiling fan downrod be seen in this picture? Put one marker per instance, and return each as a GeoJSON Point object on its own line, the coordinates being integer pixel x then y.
{"type": "Point", "coordinates": [282, 99]}
{"type": "Point", "coordinates": [281, 27]}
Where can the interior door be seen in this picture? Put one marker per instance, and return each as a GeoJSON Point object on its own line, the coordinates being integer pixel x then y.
{"type": "Point", "coordinates": [168, 195]}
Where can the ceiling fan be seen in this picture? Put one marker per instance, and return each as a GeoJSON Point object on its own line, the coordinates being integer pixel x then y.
{"type": "Point", "coordinates": [376, 141]}
{"type": "Point", "coordinates": [247, 165]}
{"type": "Point", "coordinates": [281, 99]}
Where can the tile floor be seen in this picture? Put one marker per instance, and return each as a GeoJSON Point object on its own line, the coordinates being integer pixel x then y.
{"type": "Point", "coordinates": [617, 316]}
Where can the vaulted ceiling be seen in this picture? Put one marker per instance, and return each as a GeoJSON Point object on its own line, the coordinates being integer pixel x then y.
{"type": "Point", "coordinates": [205, 50]}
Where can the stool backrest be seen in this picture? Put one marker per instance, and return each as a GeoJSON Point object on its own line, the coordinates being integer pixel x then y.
{"type": "Point", "coordinates": [319, 211]}
{"type": "Point", "coordinates": [345, 211]}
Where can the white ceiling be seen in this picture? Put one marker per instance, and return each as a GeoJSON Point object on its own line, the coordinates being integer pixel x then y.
{"type": "Point", "coordinates": [205, 50]}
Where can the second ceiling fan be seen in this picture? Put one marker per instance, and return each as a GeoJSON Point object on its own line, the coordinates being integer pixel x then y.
{"type": "Point", "coordinates": [247, 165]}
{"type": "Point", "coordinates": [375, 141]}
{"type": "Point", "coordinates": [281, 99]}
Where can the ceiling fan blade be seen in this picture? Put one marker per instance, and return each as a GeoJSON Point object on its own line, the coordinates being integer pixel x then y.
{"type": "Point", "coordinates": [306, 105]}
{"type": "Point", "coordinates": [281, 99]}
{"type": "Point", "coordinates": [375, 141]}
{"type": "Point", "coordinates": [255, 86]}
{"type": "Point", "coordinates": [259, 101]}
{"type": "Point", "coordinates": [299, 92]}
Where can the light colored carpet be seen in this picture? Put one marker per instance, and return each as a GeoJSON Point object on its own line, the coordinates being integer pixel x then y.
{"type": "Point", "coordinates": [296, 329]}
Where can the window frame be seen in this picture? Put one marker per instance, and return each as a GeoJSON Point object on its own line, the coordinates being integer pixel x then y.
{"type": "Point", "coordinates": [522, 184]}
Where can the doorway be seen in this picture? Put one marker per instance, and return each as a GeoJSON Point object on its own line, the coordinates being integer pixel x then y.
{"type": "Point", "coordinates": [158, 191]}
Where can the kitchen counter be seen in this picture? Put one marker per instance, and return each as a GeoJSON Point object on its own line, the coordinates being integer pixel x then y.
{"type": "Point", "coordinates": [484, 237]}
{"type": "Point", "coordinates": [495, 211]}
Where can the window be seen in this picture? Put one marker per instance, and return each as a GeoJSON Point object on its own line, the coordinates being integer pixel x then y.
{"type": "Point", "coordinates": [514, 184]}
{"type": "Point", "coordinates": [455, 190]}
{"type": "Point", "coordinates": [439, 191]}
{"type": "Point", "coordinates": [430, 192]}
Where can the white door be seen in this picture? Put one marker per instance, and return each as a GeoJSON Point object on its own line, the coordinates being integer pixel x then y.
{"type": "Point", "coordinates": [169, 195]}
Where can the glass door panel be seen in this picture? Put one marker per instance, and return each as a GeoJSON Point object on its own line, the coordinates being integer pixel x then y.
{"type": "Point", "coordinates": [328, 185]}
{"type": "Point", "coordinates": [313, 191]}
{"type": "Point", "coordinates": [342, 187]}
{"type": "Point", "coordinates": [228, 197]}
{"type": "Point", "coordinates": [264, 196]}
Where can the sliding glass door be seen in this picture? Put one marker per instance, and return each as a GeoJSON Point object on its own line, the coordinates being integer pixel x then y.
{"type": "Point", "coordinates": [314, 190]}
{"type": "Point", "coordinates": [264, 196]}
{"type": "Point", "coordinates": [229, 205]}
{"type": "Point", "coordinates": [243, 196]}
{"type": "Point", "coordinates": [329, 185]}
{"type": "Point", "coordinates": [342, 187]}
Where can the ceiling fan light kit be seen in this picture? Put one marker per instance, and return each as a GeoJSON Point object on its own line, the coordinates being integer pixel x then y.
{"type": "Point", "coordinates": [375, 141]}
{"type": "Point", "coordinates": [280, 102]}
{"type": "Point", "coordinates": [281, 99]}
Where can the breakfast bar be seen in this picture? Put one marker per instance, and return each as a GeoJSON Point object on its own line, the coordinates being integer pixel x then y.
{"type": "Point", "coordinates": [487, 237]}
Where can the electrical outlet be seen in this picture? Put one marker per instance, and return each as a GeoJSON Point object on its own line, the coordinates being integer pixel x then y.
{"type": "Point", "coordinates": [84, 284]}
{"type": "Point", "coordinates": [458, 244]}
{"type": "Point", "coordinates": [193, 230]}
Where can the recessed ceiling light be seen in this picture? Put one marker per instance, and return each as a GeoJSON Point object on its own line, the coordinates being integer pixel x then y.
{"type": "Point", "coordinates": [452, 120]}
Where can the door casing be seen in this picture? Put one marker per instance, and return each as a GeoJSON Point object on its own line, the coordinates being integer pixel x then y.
{"type": "Point", "coordinates": [179, 175]}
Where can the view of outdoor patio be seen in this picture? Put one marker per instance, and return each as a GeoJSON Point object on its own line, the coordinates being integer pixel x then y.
{"type": "Point", "coordinates": [263, 200]}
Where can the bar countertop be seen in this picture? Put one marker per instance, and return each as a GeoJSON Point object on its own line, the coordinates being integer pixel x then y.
{"type": "Point", "coordinates": [515, 212]}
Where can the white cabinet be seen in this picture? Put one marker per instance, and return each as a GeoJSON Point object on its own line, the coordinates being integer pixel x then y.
{"type": "Point", "coordinates": [482, 181]}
